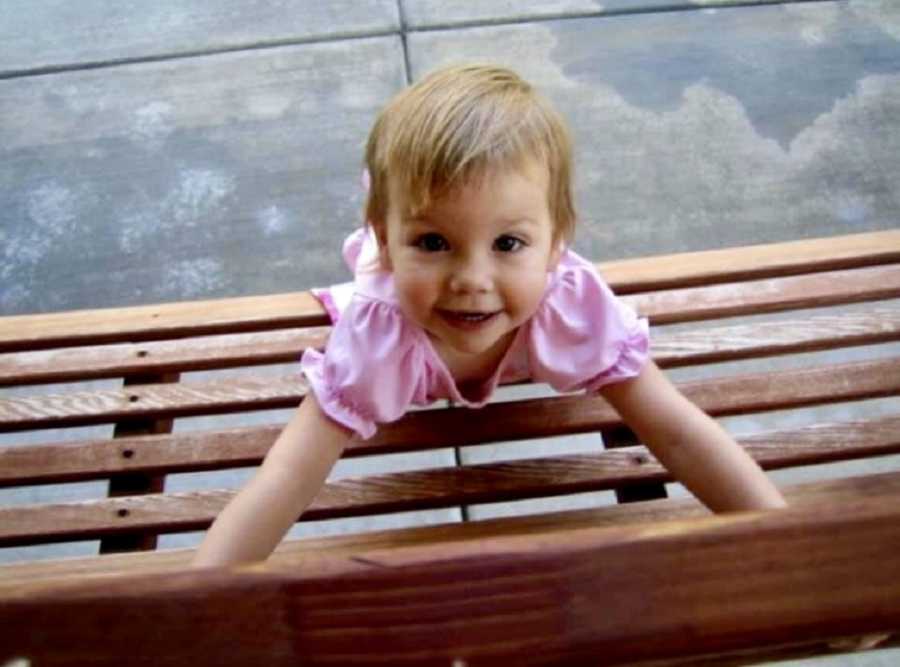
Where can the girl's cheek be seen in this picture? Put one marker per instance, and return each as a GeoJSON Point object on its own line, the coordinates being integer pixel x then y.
{"type": "Point", "coordinates": [416, 286]}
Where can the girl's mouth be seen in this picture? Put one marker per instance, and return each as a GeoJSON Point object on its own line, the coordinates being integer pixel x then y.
{"type": "Point", "coordinates": [467, 319]}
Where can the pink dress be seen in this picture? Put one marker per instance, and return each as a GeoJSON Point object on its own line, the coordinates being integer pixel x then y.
{"type": "Point", "coordinates": [377, 363]}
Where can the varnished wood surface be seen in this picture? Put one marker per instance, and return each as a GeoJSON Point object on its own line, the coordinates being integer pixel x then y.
{"type": "Point", "coordinates": [738, 581]}
{"type": "Point", "coordinates": [768, 296]}
{"type": "Point", "coordinates": [852, 381]}
{"type": "Point", "coordinates": [141, 517]}
{"type": "Point", "coordinates": [290, 554]}
{"type": "Point", "coordinates": [431, 429]}
{"type": "Point", "coordinates": [880, 323]}
{"type": "Point", "coordinates": [440, 487]}
{"type": "Point", "coordinates": [301, 309]}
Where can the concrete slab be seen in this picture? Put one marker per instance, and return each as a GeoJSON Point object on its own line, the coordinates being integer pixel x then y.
{"type": "Point", "coordinates": [45, 34]}
{"type": "Point", "coordinates": [706, 129]}
{"type": "Point", "coordinates": [420, 14]}
{"type": "Point", "coordinates": [439, 13]}
{"type": "Point", "coordinates": [223, 175]}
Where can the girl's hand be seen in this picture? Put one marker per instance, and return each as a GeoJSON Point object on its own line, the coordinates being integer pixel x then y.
{"type": "Point", "coordinates": [294, 470]}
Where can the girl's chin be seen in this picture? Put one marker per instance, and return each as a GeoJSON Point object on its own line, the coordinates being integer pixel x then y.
{"type": "Point", "coordinates": [472, 343]}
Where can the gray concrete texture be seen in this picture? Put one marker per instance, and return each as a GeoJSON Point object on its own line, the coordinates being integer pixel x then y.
{"type": "Point", "coordinates": [237, 172]}
{"type": "Point", "coordinates": [182, 150]}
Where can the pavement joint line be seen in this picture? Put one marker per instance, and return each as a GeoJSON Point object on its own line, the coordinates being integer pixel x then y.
{"type": "Point", "coordinates": [403, 31]}
{"type": "Point", "coordinates": [407, 66]}
{"type": "Point", "coordinates": [201, 53]}
{"type": "Point", "coordinates": [674, 7]}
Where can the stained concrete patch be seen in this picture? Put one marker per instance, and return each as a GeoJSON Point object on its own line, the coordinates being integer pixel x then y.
{"type": "Point", "coordinates": [217, 176]}
{"type": "Point", "coordinates": [786, 65]}
{"type": "Point", "coordinates": [675, 152]}
{"type": "Point", "coordinates": [42, 33]}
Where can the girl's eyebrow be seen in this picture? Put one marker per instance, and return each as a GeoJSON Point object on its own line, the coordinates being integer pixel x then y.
{"type": "Point", "coordinates": [420, 217]}
{"type": "Point", "coordinates": [518, 223]}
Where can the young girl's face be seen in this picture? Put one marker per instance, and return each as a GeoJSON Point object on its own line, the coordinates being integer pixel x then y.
{"type": "Point", "coordinates": [472, 267]}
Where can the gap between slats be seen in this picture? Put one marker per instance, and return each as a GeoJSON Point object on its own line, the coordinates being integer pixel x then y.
{"type": "Point", "coordinates": [438, 428]}
{"type": "Point", "coordinates": [683, 305]}
{"type": "Point", "coordinates": [292, 552]}
{"type": "Point", "coordinates": [441, 487]}
{"type": "Point", "coordinates": [747, 393]}
{"type": "Point", "coordinates": [280, 311]}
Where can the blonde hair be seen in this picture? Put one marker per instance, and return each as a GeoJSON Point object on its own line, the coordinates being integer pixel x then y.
{"type": "Point", "coordinates": [455, 125]}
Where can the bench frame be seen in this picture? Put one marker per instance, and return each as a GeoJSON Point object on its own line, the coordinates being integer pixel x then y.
{"type": "Point", "coordinates": [658, 580]}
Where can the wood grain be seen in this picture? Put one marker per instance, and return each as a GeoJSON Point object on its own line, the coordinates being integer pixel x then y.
{"type": "Point", "coordinates": [437, 428]}
{"type": "Point", "coordinates": [291, 553]}
{"type": "Point", "coordinates": [198, 353]}
{"type": "Point", "coordinates": [714, 344]}
{"type": "Point", "coordinates": [177, 400]}
{"type": "Point", "coordinates": [710, 343]}
{"type": "Point", "coordinates": [736, 581]}
{"type": "Point", "coordinates": [228, 316]}
{"type": "Point", "coordinates": [441, 487]}
{"type": "Point", "coordinates": [768, 296]}
{"type": "Point", "coordinates": [154, 322]}
{"type": "Point", "coordinates": [641, 274]}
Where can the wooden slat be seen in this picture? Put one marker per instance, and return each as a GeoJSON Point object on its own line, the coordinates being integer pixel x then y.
{"type": "Point", "coordinates": [881, 323]}
{"type": "Point", "coordinates": [178, 400]}
{"type": "Point", "coordinates": [712, 344]}
{"type": "Point", "coordinates": [500, 421]}
{"type": "Point", "coordinates": [749, 262]}
{"type": "Point", "coordinates": [170, 320]}
{"type": "Point", "coordinates": [737, 581]}
{"type": "Point", "coordinates": [291, 552]}
{"type": "Point", "coordinates": [228, 316]}
{"type": "Point", "coordinates": [61, 462]}
{"type": "Point", "coordinates": [183, 355]}
{"type": "Point", "coordinates": [514, 420]}
{"type": "Point", "coordinates": [441, 487]}
{"type": "Point", "coordinates": [768, 296]}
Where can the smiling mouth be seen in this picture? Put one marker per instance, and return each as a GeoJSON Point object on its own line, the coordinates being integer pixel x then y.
{"type": "Point", "coordinates": [467, 318]}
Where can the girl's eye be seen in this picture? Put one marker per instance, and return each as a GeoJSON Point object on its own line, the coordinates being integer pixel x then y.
{"type": "Point", "coordinates": [508, 243]}
{"type": "Point", "coordinates": [432, 243]}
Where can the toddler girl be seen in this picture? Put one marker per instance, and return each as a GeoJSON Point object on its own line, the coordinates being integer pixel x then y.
{"type": "Point", "coordinates": [464, 280]}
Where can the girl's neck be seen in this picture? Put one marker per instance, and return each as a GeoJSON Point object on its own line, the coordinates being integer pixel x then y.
{"type": "Point", "coordinates": [472, 370]}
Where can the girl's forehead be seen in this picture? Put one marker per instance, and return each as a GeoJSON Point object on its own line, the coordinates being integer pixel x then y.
{"type": "Point", "coordinates": [529, 178]}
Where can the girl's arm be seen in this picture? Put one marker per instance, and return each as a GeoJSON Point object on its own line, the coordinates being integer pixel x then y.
{"type": "Point", "coordinates": [294, 470]}
{"type": "Point", "coordinates": [691, 445]}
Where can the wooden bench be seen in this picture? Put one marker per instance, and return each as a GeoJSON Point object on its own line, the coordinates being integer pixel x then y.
{"type": "Point", "coordinates": [660, 580]}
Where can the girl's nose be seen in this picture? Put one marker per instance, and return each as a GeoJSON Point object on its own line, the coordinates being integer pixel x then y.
{"type": "Point", "coordinates": [472, 274]}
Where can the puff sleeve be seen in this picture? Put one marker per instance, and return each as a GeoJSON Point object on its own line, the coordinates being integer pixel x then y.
{"type": "Point", "coordinates": [371, 369]}
{"type": "Point", "coordinates": [582, 336]}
